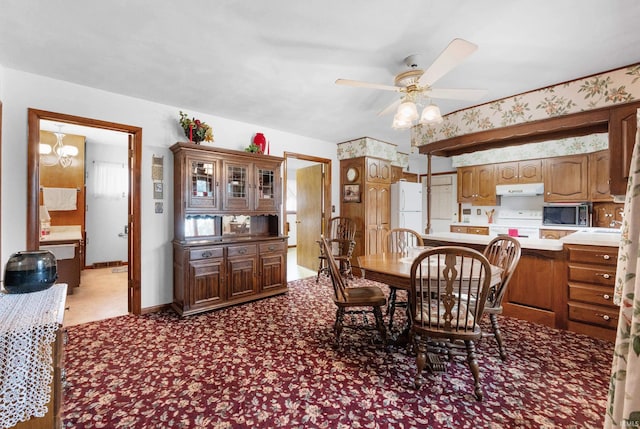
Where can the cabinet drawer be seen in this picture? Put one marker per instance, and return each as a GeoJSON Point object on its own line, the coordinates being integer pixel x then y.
{"type": "Point", "coordinates": [244, 250]}
{"type": "Point", "coordinates": [276, 246]}
{"type": "Point", "coordinates": [205, 252]}
{"type": "Point", "coordinates": [597, 255]}
{"type": "Point", "coordinates": [462, 229]}
{"type": "Point", "coordinates": [592, 274]}
{"type": "Point", "coordinates": [599, 295]}
{"type": "Point", "coordinates": [478, 230]}
{"type": "Point", "coordinates": [594, 314]}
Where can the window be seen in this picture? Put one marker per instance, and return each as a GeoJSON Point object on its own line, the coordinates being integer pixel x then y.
{"type": "Point", "coordinates": [110, 180]}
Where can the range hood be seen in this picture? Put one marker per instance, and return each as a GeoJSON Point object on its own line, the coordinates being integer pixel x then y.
{"type": "Point", "coordinates": [520, 189]}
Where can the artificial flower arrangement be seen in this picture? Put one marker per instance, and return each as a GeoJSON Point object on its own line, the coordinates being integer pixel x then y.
{"type": "Point", "coordinates": [195, 129]}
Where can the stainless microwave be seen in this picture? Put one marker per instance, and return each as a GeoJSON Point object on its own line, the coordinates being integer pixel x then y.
{"type": "Point", "coordinates": [566, 214]}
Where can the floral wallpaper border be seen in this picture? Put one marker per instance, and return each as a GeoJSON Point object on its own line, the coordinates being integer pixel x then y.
{"type": "Point", "coordinates": [601, 90]}
{"type": "Point", "coordinates": [547, 149]}
{"type": "Point", "coordinates": [366, 146]}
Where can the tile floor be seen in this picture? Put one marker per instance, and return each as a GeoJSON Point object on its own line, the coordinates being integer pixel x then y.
{"type": "Point", "coordinates": [102, 293]}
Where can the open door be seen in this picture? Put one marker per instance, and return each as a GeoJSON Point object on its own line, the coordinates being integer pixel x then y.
{"type": "Point", "coordinates": [309, 184]}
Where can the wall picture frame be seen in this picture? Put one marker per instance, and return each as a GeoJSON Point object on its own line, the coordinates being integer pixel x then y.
{"type": "Point", "coordinates": [351, 193]}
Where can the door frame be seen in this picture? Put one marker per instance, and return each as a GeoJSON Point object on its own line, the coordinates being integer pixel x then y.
{"type": "Point", "coordinates": [135, 168]}
{"type": "Point", "coordinates": [326, 197]}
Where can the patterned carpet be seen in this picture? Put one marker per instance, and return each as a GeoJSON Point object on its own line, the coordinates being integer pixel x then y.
{"type": "Point", "coordinates": [271, 364]}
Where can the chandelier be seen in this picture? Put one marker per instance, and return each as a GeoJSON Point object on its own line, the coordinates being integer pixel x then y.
{"type": "Point", "coordinates": [58, 154]}
{"type": "Point", "coordinates": [408, 112]}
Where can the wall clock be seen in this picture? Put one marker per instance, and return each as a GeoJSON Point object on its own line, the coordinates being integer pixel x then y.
{"type": "Point", "coordinates": [352, 174]}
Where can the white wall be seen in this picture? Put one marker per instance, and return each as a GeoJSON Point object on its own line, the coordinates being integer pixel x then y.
{"type": "Point", "coordinates": [21, 91]}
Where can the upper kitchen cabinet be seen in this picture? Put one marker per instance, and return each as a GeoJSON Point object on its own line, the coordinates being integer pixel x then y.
{"type": "Point", "coordinates": [599, 176]}
{"type": "Point", "coordinates": [622, 134]}
{"type": "Point", "coordinates": [566, 179]}
{"type": "Point", "coordinates": [378, 170]}
{"type": "Point", "coordinates": [477, 185]}
{"type": "Point", "coordinates": [529, 171]}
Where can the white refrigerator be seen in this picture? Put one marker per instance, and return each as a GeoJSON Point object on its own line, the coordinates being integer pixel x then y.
{"type": "Point", "coordinates": [406, 206]}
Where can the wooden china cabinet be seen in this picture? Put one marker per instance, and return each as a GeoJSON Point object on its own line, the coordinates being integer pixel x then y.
{"type": "Point", "coordinates": [227, 247]}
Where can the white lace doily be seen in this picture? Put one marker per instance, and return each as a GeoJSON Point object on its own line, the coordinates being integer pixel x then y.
{"type": "Point", "coordinates": [28, 325]}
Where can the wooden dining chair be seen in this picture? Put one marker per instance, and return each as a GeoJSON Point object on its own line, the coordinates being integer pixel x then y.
{"type": "Point", "coordinates": [398, 240]}
{"type": "Point", "coordinates": [340, 233]}
{"type": "Point", "coordinates": [503, 252]}
{"type": "Point", "coordinates": [358, 300]}
{"type": "Point", "coordinates": [443, 282]}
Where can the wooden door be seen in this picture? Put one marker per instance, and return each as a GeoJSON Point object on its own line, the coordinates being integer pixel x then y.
{"type": "Point", "coordinates": [207, 287]}
{"type": "Point", "coordinates": [236, 187]}
{"type": "Point", "coordinates": [530, 171]}
{"type": "Point", "coordinates": [485, 185]}
{"type": "Point", "coordinates": [599, 176]}
{"type": "Point", "coordinates": [465, 184]}
{"type": "Point", "coordinates": [377, 216]}
{"type": "Point", "coordinates": [309, 186]}
{"type": "Point", "coordinates": [566, 179]}
{"type": "Point", "coordinates": [507, 173]}
{"type": "Point", "coordinates": [623, 126]}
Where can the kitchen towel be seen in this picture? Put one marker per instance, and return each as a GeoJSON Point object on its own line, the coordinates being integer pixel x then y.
{"type": "Point", "coordinates": [60, 198]}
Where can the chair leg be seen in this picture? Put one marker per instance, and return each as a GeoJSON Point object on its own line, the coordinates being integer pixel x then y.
{"type": "Point", "coordinates": [474, 367]}
{"type": "Point", "coordinates": [421, 359]}
{"type": "Point", "coordinates": [392, 298]}
{"type": "Point", "coordinates": [377, 312]}
{"type": "Point", "coordinates": [322, 268]}
{"type": "Point", "coordinates": [337, 326]}
{"type": "Point", "coordinates": [497, 334]}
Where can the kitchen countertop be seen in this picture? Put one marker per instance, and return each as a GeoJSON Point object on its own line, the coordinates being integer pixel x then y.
{"type": "Point", "coordinates": [526, 243]}
{"type": "Point", "coordinates": [594, 237]}
{"type": "Point", "coordinates": [63, 233]}
{"type": "Point", "coordinates": [585, 236]}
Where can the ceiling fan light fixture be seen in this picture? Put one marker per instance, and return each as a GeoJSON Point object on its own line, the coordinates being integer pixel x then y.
{"type": "Point", "coordinates": [431, 115]}
{"type": "Point", "coordinates": [400, 122]}
{"type": "Point", "coordinates": [407, 110]}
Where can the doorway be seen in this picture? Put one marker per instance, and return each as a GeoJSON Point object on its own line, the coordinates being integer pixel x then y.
{"type": "Point", "coordinates": [134, 151]}
{"type": "Point", "coordinates": [309, 207]}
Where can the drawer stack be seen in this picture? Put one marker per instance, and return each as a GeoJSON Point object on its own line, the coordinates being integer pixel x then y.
{"type": "Point", "coordinates": [592, 273]}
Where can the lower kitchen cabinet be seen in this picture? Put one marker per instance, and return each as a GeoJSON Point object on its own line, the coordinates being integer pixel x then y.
{"type": "Point", "coordinates": [208, 276]}
{"type": "Point", "coordinates": [591, 279]}
{"type": "Point", "coordinates": [534, 292]}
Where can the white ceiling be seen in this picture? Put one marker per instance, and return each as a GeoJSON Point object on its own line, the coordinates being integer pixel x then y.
{"type": "Point", "coordinates": [273, 63]}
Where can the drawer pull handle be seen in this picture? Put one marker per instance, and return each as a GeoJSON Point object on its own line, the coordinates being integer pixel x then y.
{"type": "Point", "coordinates": [207, 254]}
{"type": "Point", "coordinates": [606, 296]}
{"type": "Point", "coordinates": [606, 317]}
{"type": "Point", "coordinates": [272, 248]}
{"type": "Point", "coordinates": [606, 257]}
{"type": "Point", "coordinates": [242, 251]}
{"type": "Point", "coordinates": [604, 276]}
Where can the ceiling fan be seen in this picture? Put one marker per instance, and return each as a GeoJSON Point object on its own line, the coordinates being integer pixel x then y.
{"type": "Point", "coordinates": [416, 86]}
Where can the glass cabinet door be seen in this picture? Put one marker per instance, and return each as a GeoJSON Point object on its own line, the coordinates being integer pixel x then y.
{"type": "Point", "coordinates": [202, 184]}
{"type": "Point", "coordinates": [237, 186]}
{"type": "Point", "coordinates": [267, 188]}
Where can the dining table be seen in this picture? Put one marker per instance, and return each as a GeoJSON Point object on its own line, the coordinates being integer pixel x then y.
{"type": "Point", "coordinates": [394, 269]}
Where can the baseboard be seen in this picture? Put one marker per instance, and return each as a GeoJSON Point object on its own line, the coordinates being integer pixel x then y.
{"type": "Point", "coordinates": [107, 264]}
{"type": "Point", "coordinates": [155, 309]}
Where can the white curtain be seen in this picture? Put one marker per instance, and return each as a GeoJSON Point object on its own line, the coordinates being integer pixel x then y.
{"type": "Point", "coordinates": [623, 405]}
{"type": "Point", "coordinates": [110, 180]}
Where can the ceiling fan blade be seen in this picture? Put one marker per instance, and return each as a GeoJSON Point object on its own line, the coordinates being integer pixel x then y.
{"type": "Point", "coordinates": [457, 94]}
{"type": "Point", "coordinates": [390, 108]}
{"type": "Point", "coordinates": [360, 84]}
{"type": "Point", "coordinates": [452, 56]}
